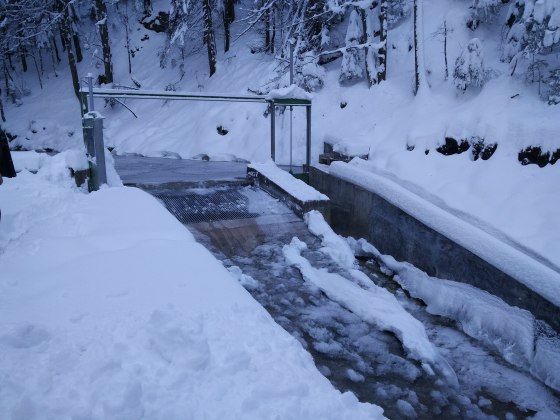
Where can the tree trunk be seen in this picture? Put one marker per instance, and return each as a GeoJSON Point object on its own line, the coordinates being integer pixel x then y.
{"type": "Point", "coordinates": [421, 84]}
{"type": "Point", "coordinates": [54, 63]}
{"type": "Point", "coordinates": [382, 52]}
{"type": "Point", "coordinates": [267, 30]}
{"type": "Point", "coordinates": [6, 78]}
{"type": "Point", "coordinates": [38, 72]}
{"type": "Point", "coordinates": [2, 115]}
{"type": "Point", "coordinates": [77, 46]}
{"type": "Point", "coordinates": [62, 43]}
{"type": "Point", "coordinates": [41, 62]}
{"type": "Point", "coordinates": [23, 59]}
{"type": "Point", "coordinates": [55, 48]}
{"type": "Point", "coordinates": [66, 42]}
{"type": "Point", "coordinates": [101, 13]}
{"type": "Point", "coordinates": [445, 48]}
{"type": "Point", "coordinates": [147, 7]}
{"type": "Point", "coordinates": [209, 36]}
{"type": "Point", "coordinates": [126, 20]}
{"type": "Point", "coordinates": [226, 33]}
{"type": "Point", "coordinates": [272, 31]}
{"type": "Point", "coordinates": [229, 17]}
{"type": "Point", "coordinates": [416, 71]}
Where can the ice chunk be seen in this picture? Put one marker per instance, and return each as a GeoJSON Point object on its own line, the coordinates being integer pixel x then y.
{"type": "Point", "coordinates": [376, 306]}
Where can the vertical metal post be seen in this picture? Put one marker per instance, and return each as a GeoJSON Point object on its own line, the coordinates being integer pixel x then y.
{"type": "Point", "coordinates": [292, 46]}
{"type": "Point", "coordinates": [308, 145]}
{"type": "Point", "coordinates": [83, 104]}
{"type": "Point", "coordinates": [93, 138]}
{"type": "Point", "coordinates": [89, 78]}
{"type": "Point", "coordinates": [99, 150]}
{"type": "Point", "coordinates": [273, 130]}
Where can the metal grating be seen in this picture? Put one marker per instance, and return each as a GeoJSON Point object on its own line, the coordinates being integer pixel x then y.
{"type": "Point", "coordinates": [210, 206]}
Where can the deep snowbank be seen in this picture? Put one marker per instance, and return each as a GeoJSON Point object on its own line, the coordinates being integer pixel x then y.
{"type": "Point", "coordinates": [110, 309]}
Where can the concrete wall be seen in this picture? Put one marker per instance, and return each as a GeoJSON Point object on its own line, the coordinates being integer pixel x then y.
{"type": "Point", "coordinates": [362, 214]}
{"type": "Point", "coordinates": [297, 206]}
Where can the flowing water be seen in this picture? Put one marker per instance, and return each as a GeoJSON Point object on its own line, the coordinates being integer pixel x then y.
{"type": "Point", "coordinates": [246, 228]}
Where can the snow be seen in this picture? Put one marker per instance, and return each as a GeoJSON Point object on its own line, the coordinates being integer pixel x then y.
{"type": "Point", "coordinates": [289, 92]}
{"type": "Point", "coordinates": [333, 245]}
{"type": "Point", "coordinates": [370, 302]}
{"type": "Point", "coordinates": [110, 309]}
{"type": "Point", "coordinates": [293, 186]}
{"type": "Point", "coordinates": [406, 409]}
{"type": "Point", "coordinates": [387, 118]}
{"type": "Point", "coordinates": [511, 331]}
{"type": "Point", "coordinates": [30, 160]}
{"type": "Point", "coordinates": [537, 275]}
{"type": "Point", "coordinates": [507, 203]}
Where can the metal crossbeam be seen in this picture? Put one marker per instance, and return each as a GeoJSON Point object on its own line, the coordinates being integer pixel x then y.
{"type": "Point", "coordinates": [191, 96]}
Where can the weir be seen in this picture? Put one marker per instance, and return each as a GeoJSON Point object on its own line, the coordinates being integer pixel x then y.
{"type": "Point", "coordinates": [248, 228]}
{"type": "Point", "coordinates": [93, 122]}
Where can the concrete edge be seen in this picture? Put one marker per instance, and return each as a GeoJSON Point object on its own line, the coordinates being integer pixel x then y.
{"type": "Point", "coordinates": [296, 205]}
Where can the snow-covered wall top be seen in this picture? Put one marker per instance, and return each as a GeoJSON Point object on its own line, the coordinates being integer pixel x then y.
{"type": "Point", "coordinates": [541, 278]}
{"type": "Point", "coordinates": [293, 186]}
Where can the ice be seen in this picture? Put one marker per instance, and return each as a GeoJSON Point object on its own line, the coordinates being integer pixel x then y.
{"type": "Point", "coordinates": [546, 362]}
{"type": "Point", "coordinates": [354, 376]}
{"type": "Point", "coordinates": [481, 315]}
{"type": "Point", "coordinates": [246, 281]}
{"type": "Point", "coordinates": [376, 306]}
{"type": "Point", "coordinates": [511, 331]}
{"type": "Point", "coordinates": [333, 245]}
{"type": "Point", "coordinates": [406, 409]}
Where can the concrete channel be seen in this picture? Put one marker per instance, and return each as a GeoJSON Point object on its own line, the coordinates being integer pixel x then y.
{"type": "Point", "coordinates": [358, 212]}
{"type": "Point", "coordinates": [246, 228]}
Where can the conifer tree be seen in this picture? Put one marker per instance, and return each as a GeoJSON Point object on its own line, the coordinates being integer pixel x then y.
{"type": "Point", "coordinates": [469, 66]}
{"type": "Point", "coordinates": [352, 65]}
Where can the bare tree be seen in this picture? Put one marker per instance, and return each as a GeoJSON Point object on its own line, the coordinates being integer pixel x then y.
{"type": "Point", "coordinates": [228, 15]}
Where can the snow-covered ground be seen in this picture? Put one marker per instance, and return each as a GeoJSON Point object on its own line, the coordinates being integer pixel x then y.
{"type": "Point", "coordinates": [516, 202]}
{"type": "Point", "coordinates": [110, 309]}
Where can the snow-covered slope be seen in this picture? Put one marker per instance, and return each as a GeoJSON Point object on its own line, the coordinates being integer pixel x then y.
{"type": "Point", "coordinates": [517, 202]}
